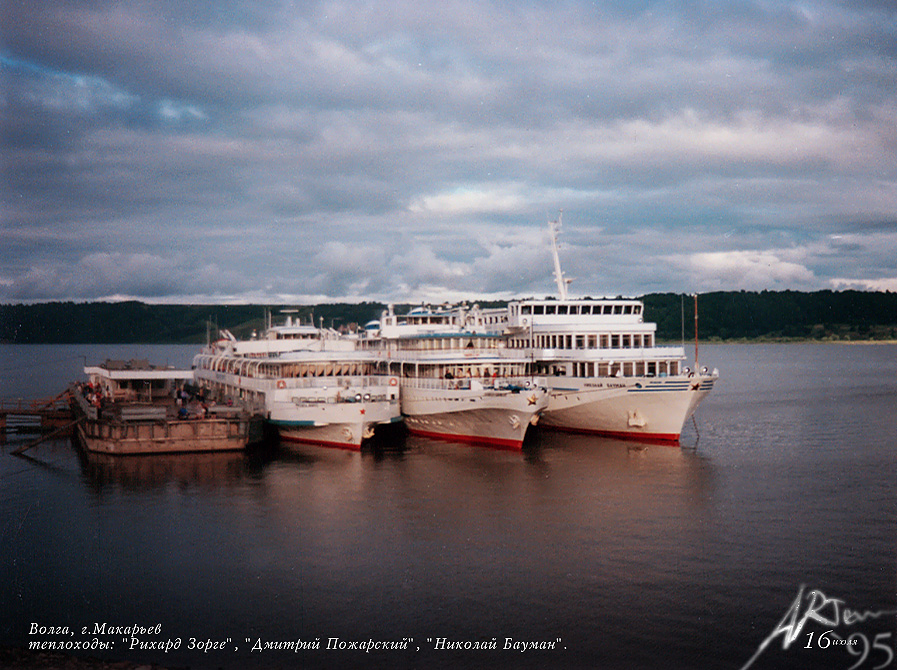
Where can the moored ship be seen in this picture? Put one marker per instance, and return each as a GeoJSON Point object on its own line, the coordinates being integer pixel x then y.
{"type": "Point", "coordinates": [606, 373]}
{"type": "Point", "coordinates": [458, 383]}
{"type": "Point", "coordinates": [330, 398]}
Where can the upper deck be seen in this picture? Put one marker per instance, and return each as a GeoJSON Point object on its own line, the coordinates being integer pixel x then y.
{"type": "Point", "coordinates": [585, 314]}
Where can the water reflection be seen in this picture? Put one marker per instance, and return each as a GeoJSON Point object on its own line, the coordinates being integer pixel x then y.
{"type": "Point", "coordinates": [561, 463]}
{"type": "Point", "coordinates": [104, 471]}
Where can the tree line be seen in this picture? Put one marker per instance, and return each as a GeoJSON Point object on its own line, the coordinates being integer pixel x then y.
{"type": "Point", "coordinates": [723, 316]}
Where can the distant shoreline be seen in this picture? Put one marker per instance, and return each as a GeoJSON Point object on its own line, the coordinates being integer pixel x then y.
{"type": "Point", "coordinates": [725, 317]}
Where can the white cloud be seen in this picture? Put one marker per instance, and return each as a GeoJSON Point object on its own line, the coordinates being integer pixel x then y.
{"type": "Point", "coordinates": [749, 270]}
{"type": "Point", "coordinates": [471, 200]}
{"type": "Point", "coordinates": [880, 284]}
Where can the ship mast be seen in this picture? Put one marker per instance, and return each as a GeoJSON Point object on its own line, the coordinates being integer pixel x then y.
{"type": "Point", "coordinates": [554, 228]}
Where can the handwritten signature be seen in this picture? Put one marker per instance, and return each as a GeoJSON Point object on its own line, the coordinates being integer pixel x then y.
{"type": "Point", "coordinates": [829, 612]}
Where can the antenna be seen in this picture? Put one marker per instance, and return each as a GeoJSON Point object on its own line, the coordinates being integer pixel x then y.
{"type": "Point", "coordinates": [554, 227]}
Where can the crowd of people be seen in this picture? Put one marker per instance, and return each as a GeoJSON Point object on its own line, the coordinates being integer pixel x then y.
{"type": "Point", "coordinates": [191, 405]}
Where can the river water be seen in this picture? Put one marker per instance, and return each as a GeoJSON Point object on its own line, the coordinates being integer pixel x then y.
{"type": "Point", "coordinates": [577, 552]}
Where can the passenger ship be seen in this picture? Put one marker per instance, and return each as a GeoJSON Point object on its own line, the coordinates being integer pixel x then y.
{"type": "Point", "coordinates": [313, 388]}
{"type": "Point", "coordinates": [605, 371]}
{"type": "Point", "coordinates": [458, 382]}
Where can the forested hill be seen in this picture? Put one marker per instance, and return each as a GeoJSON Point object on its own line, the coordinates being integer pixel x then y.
{"type": "Point", "coordinates": [821, 315]}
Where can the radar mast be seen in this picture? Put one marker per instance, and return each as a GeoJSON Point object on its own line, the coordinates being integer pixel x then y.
{"type": "Point", "coordinates": [554, 227]}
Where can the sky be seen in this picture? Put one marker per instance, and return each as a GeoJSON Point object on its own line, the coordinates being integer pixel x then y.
{"type": "Point", "coordinates": [245, 151]}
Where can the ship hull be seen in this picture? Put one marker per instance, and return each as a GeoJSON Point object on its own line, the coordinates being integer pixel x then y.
{"type": "Point", "coordinates": [490, 418]}
{"type": "Point", "coordinates": [636, 408]}
{"type": "Point", "coordinates": [342, 425]}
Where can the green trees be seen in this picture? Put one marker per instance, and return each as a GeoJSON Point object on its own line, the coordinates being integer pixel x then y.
{"type": "Point", "coordinates": [725, 315]}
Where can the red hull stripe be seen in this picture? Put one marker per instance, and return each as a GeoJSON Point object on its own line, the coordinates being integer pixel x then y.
{"type": "Point", "coordinates": [501, 443]}
{"type": "Point", "coordinates": [350, 446]}
{"type": "Point", "coordinates": [654, 438]}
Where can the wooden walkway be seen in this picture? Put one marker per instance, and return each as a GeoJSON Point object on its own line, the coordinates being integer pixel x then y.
{"type": "Point", "coordinates": [34, 415]}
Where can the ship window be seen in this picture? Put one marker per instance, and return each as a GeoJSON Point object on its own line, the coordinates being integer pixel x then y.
{"type": "Point", "coordinates": [638, 309]}
{"type": "Point", "coordinates": [648, 340]}
{"type": "Point", "coordinates": [627, 342]}
{"type": "Point", "coordinates": [538, 309]}
{"type": "Point", "coordinates": [603, 370]}
{"type": "Point", "coordinates": [604, 342]}
{"type": "Point", "coordinates": [627, 369]}
{"type": "Point", "coordinates": [640, 369]}
{"type": "Point", "coordinates": [562, 309]}
{"type": "Point", "coordinates": [627, 309]}
{"type": "Point", "coordinates": [614, 341]}
{"type": "Point", "coordinates": [618, 309]}
{"type": "Point", "coordinates": [580, 341]}
{"type": "Point", "coordinates": [550, 309]}
{"type": "Point", "coordinates": [652, 369]}
{"type": "Point", "coordinates": [593, 341]}
{"type": "Point", "coordinates": [608, 309]}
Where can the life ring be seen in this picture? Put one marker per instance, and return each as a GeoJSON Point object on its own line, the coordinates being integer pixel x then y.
{"type": "Point", "coordinates": [281, 384]}
{"type": "Point", "coordinates": [393, 381]}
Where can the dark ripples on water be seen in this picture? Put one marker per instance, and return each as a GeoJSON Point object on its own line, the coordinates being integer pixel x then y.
{"type": "Point", "coordinates": [633, 556]}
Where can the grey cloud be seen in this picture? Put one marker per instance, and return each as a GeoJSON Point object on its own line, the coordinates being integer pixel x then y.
{"type": "Point", "coordinates": [350, 150]}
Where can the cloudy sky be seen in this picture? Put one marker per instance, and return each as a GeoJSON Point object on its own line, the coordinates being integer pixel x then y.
{"type": "Point", "coordinates": [253, 151]}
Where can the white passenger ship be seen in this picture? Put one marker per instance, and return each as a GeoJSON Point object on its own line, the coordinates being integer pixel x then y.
{"type": "Point", "coordinates": [457, 382]}
{"type": "Point", "coordinates": [311, 386]}
{"type": "Point", "coordinates": [605, 371]}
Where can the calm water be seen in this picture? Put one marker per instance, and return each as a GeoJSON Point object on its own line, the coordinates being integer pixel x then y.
{"type": "Point", "coordinates": [622, 556]}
